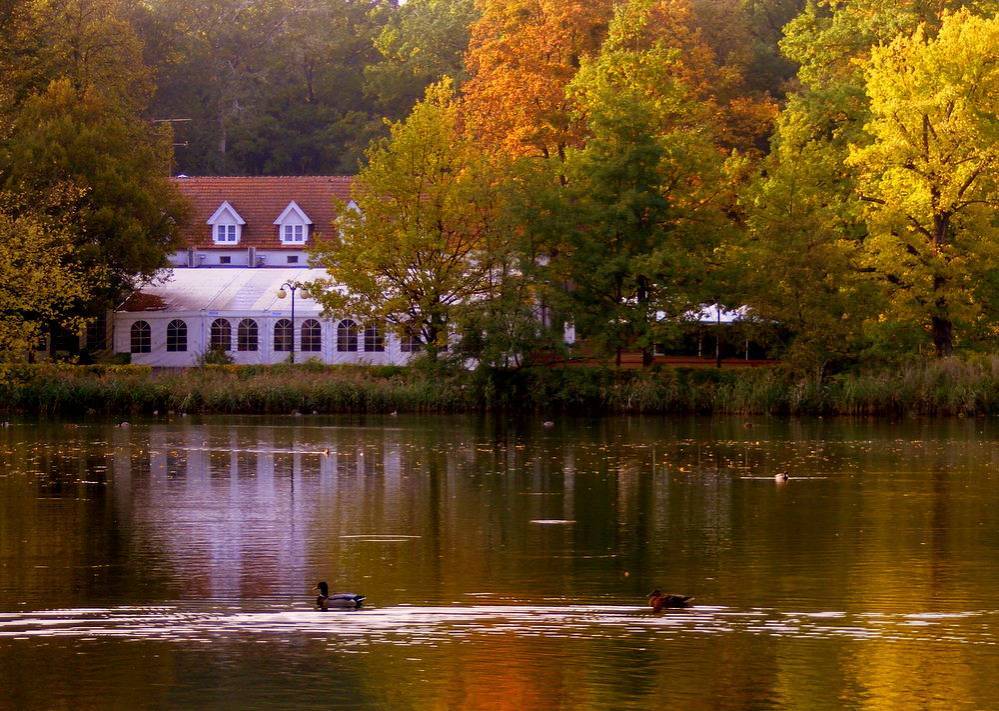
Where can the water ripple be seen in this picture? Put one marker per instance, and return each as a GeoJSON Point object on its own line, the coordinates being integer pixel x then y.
{"type": "Point", "coordinates": [409, 625]}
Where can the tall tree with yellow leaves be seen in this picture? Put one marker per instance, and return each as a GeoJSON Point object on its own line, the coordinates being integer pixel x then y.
{"type": "Point", "coordinates": [929, 174]}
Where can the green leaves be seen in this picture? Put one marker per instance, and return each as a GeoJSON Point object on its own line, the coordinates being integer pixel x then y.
{"type": "Point", "coordinates": [420, 246]}
{"type": "Point", "coordinates": [644, 198]}
{"type": "Point", "coordinates": [126, 211]}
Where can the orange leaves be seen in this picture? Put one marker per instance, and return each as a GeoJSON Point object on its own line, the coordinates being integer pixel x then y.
{"type": "Point", "coordinates": [522, 55]}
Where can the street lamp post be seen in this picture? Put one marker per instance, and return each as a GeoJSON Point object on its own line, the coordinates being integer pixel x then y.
{"type": "Point", "coordinates": [282, 294]}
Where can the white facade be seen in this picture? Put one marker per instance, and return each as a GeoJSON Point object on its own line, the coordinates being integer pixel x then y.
{"type": "Point", "coordinates": [169, 323]}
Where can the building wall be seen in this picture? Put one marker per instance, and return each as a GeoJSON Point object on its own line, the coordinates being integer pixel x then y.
{"type": "Point", "coordinates": [279, 257]}
{"type": "Point", "coordinates": [198, 340]}
{"type": "Point", "coordinates": [240, 257]}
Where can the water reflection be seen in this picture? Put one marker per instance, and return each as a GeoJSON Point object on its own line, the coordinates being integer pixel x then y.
{"type": "Point", "coordinates": [505, 564]}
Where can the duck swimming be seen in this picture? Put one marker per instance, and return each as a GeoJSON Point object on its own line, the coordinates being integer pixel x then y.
{"type": "Point", "coordinates": [659, 600]}
{"type": "Point", "coordinates": [343, 601]}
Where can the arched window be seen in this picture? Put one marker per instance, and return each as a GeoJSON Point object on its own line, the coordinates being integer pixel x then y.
{"type": "Point", "coordinates": [346, 337]}
{"type": "Point", "coordinates": [374, 340]}
{"type": "Point", "coordinates": [246, 335]}
{"type": "Point", "coordinates": [221, 335]}
{"type": "Point", "coordinates": [312, 336]}
{"type": "Point", "coordinates": [284, 334]}
{"type": "Point", "coordinates": [176, 336]}
{"type": "Point", "coordinates": [410, 343]}
{"type": "Point", "coordinates": [142, 340]}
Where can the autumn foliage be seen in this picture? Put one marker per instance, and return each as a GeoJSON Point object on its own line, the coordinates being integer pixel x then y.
{"type": "Point", "coordinates": [522, 55]}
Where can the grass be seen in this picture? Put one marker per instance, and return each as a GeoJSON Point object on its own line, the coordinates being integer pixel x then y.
{"type": "Point", "coordinates": [967, 386]}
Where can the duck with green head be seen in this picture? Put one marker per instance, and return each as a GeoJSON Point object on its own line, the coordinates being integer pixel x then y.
{"type": "Point", "coordinates": [341, 601]}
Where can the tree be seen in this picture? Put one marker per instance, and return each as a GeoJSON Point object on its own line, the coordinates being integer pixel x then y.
{"type": "Point", "coordinates": [74, 127]}
{"type": "Point", "coordinates": [713, 58]}
{"type": "Point", "coordinates": [422, 42]}
{"type": "Point", "coordinates": [929, 174]}
{"type": "Point", "coordinates": [89, 43]}
{"type": "Point", "coordinates": [309, 112]}
{"type": "Point", "coordinates": [830, 41]}
{"type": "Point", "coordinates": [41, 282]}
{"type": "Point", "coordinates": [522, 55]}
{"type": "Point", "coordinates": [271, 87]}
{"type": "Point", "coordinates": [644, 198]}
{"type": "Point", "coordinates": [415, 252]}
{"type": "Point", "coordinates": [804, 209]}
{"type": "Point", "coordinates": [799, 259]}
{"type": "Point", "coordinates": [126, 213]}
{"type": "Point", "coordinates": [764, 21]}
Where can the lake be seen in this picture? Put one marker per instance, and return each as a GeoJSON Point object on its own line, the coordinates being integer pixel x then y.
{"type": "Point", "coordinates": [170, 564]}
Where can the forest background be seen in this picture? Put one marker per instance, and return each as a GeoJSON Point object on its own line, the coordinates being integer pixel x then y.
{"type": "Point", "coordinates": [829, 166]}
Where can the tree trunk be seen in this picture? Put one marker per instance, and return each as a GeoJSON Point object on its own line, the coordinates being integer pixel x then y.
{"type": "Point", "coordinates": [943, 336]}
{"type": "Point", "coordinates": [942, 326]}
{"type": "Point", "coordinates": [433, 331]}
{"type": "Point", "coordinates": [643, 296]}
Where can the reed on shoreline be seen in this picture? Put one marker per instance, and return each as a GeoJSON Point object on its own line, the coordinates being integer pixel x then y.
{"type": "Point", "coordinates": [965, 386]}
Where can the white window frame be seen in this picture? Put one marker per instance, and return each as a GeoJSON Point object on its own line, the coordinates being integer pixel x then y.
{"type": "Point", "coordinates": [293, 234]}
{"type": "Point", "coordinates": [226, 233]}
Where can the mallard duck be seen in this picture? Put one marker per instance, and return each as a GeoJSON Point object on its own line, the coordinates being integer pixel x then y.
{"type": "Point", "coordinates": [659, 600]}
{"type": "Point", "coordinates": [781, 478]}
{"type": "Point", "coordinates": [346, 601]}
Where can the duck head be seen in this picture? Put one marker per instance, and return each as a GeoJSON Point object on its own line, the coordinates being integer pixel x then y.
{"type": "Point", "coordinates": [323, 589]}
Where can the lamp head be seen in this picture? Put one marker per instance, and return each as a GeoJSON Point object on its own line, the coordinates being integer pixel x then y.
{"type": "Point", "coordinates": [282, 293]}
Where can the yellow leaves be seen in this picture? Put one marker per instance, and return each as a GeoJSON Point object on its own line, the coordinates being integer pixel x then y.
{"type": "Point", "coordinates": [928, 173]}
{"type": "Point", "coordinates": [932, 154]}
{"type": "Point", "coordinates": [39, 281]}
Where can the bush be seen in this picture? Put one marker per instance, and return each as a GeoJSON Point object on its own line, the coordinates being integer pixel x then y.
{"type": "Point", "coordinates": [953, 386]}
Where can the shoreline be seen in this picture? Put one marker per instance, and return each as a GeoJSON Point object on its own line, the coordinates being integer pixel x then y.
{"type": "Point", "coordinates": [952, 387]}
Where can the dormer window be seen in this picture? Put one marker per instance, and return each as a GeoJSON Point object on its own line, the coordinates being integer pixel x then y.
{"type": "Point", "coordinates": [350, 210]}
{"type": "Point", "coordinates": [227, 225]}
{"type": "Point", "coordinates": [293, 225]}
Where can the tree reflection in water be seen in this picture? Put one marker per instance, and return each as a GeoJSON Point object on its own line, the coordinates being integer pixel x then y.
{"type": "Point", "coordinates": [867, 580]}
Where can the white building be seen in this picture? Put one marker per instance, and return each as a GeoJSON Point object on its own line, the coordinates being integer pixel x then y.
{"type": "Point", "coordinates": [248, 238]}
{"type": "Point", "coordinates": [177, 319]}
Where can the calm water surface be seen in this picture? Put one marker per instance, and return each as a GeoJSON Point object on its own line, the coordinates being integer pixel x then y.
{"type": "Point", "coordinates": [169, 564]}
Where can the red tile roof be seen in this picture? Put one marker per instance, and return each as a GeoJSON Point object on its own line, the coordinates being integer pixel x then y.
{"type": "Point", "coordinates": [259, 201]}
